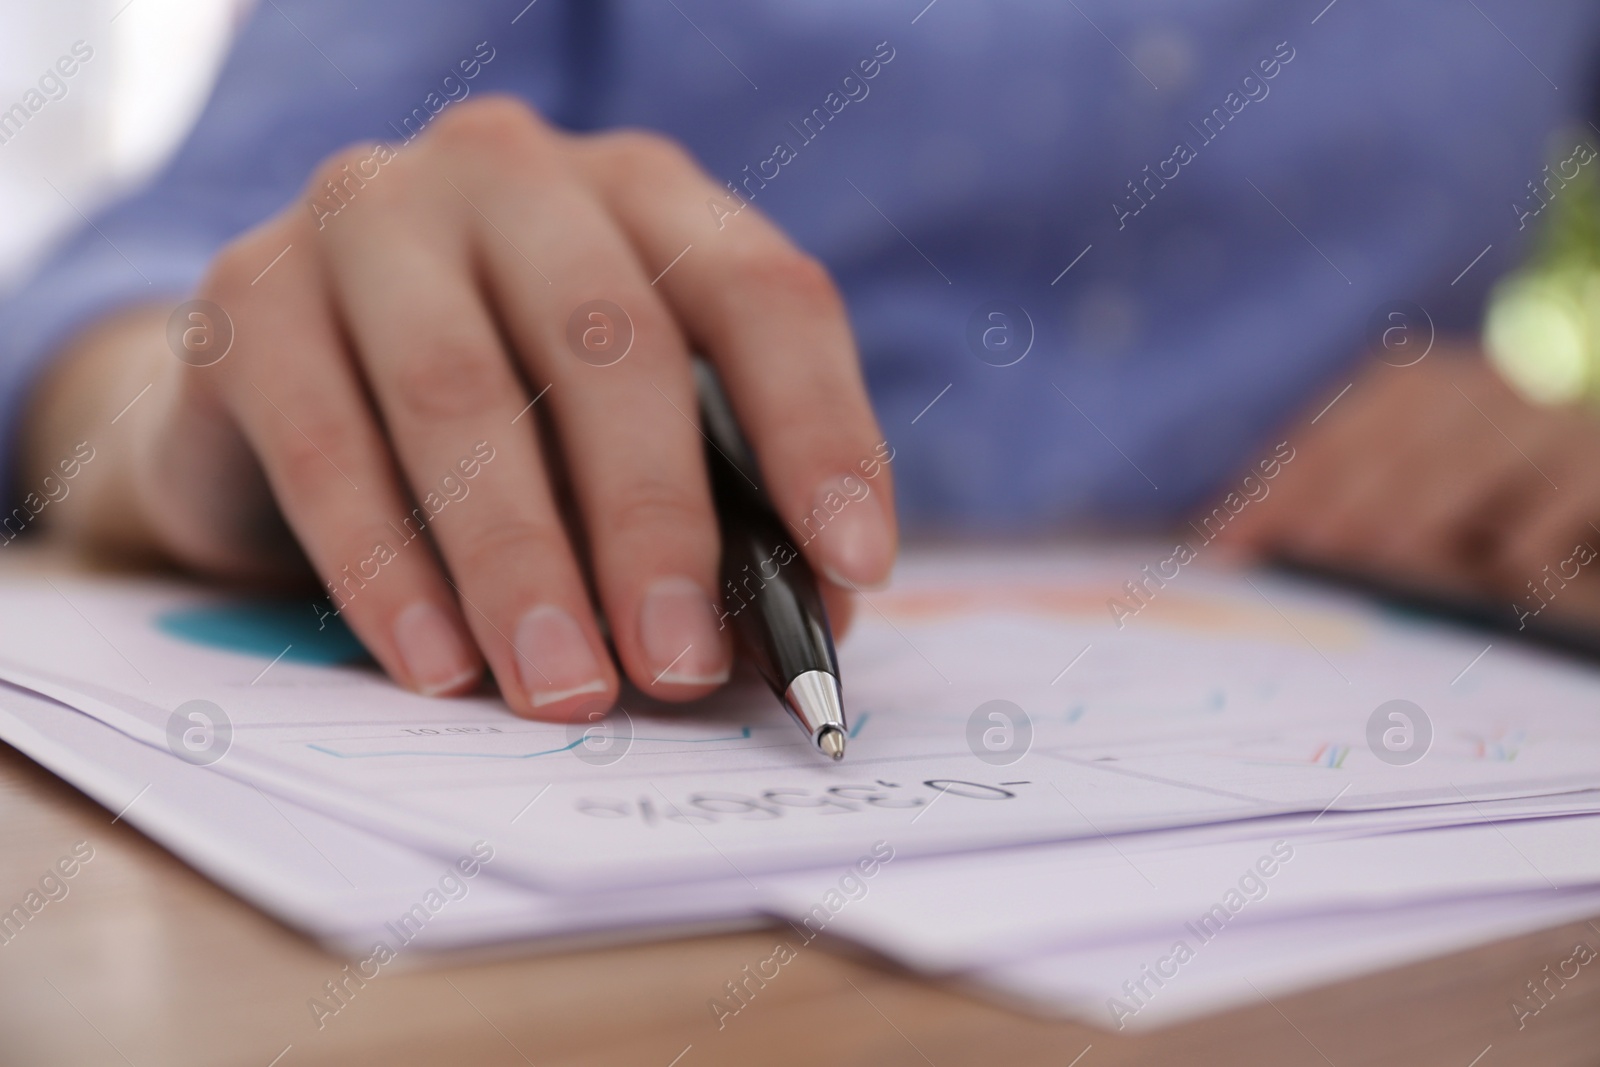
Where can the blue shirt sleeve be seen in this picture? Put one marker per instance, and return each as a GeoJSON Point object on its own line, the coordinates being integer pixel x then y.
{"type": "Point", "coordinates": [304, 78]}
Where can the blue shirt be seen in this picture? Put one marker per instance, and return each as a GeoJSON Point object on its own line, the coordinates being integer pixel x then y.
{"type": "Point", "coordinates": [1196, 207]}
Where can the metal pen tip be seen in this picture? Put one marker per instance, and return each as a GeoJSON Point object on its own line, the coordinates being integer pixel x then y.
{"type": "Point", "coordinates": [813, 699]}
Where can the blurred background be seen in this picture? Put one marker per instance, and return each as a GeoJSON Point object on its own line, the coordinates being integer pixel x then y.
{"type": "Point", "coordinates": [122, 112]}
{"type": "Point", "coordinates": [1542, 326]}
{"type": "Point", "coordinates": [152, 62]}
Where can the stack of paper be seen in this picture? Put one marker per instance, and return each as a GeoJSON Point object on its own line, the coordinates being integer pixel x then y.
{"type": "Point", "coordinates": [1126, 803]}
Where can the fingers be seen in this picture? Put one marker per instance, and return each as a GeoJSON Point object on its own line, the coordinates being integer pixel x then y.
{"type": "Point", "coordinates": [1439, 475]}
{"type": "Point", "coordinates": [772, 322]}
{"type": "Point", "coordinates": [1454, 523]}
{"type": "Point", "coordinates": [623, 404]}
{"type": "Point", "coordinates": [840, 605]}
{"type": "Point", "coordinates": [1333, 458]}
{"type": "Point", "coordinates": [625, 431]}
{"type": "Point", "coordinates": [297, 401]}
{"type": "Point", "coordinates": [1360, 513]}
{"type": "Point", "coordinates": [1557, 503]}
{"type": "Point", "coordinates": [451, 401]}
{"type": "Point", "coordinates": [1460, 486]}
{"type": "Point", "coordinates": [387, 376]}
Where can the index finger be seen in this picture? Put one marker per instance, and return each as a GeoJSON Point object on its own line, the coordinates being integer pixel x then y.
{"type": "Point", "coordinates": [770, 319]}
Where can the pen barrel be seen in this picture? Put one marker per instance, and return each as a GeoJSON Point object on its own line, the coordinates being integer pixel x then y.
{"type": "Point", "coordinates": [769, 593]}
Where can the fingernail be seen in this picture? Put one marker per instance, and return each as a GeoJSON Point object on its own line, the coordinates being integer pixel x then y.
{"type": "Point", "coordinates": [678, 629]}
{"type": "Point", "coordinates": [554, 659]}
{"type": "Point", "coordinates": [434, 654]}
{"type": "Point", "coordinates": [851, 532]}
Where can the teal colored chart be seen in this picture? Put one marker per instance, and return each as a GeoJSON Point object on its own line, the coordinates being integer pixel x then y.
{"type": "Point", "coordinates": [294, 630]}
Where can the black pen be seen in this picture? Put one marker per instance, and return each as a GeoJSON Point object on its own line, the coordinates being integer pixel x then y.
{"type": "Point", "coordinates": [768, 591]}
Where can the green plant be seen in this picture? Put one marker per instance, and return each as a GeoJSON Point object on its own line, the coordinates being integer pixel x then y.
{"type": "Point", "coordinates": [1542, 326]}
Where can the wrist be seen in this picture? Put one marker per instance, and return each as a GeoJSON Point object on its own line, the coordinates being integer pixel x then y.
{"type": "Point", "coordinates": [81, 438]}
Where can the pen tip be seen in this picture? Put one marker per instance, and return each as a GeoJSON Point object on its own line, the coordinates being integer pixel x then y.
{"type": "Point", "coordinates": [813, 699]}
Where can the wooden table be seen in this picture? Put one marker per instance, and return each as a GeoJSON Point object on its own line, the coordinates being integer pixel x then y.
{"type": "Point", "coordinates": [147, 963]}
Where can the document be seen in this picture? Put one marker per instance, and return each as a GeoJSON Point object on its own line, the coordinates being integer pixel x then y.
{"type": "Point", "coordinates": [955, 914]}
{"type": "Point", "coordinates": [344, 886]}
{"type": "Point", "coordinates": [1227, 696]}
{"type": "Point", "coordinates": [354, 890]}
{"type": "Point", "coordinates": [1141, 984]}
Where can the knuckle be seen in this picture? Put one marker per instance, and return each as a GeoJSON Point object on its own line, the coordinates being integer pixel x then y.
{"type": "Point", "coordinates": [349, 178]}
{"type": "Point", "coordinates": [449, 379]}
{"type": "Point", "coordinates": [492, 123]}
{"type": "Point", "coordinates": [305, 453]}
{"type": "Point", "coordinates": [352, 164]}
{"type": "Point", "coordinates": [648, 510]}
{"type": "Point", "coordinates": [647, 150]}
{"type": "Point", "coordinates": [790, 278]}
{"type": "Point", "coordinates": [508, 547]}
{"type": "Point", "coordinates": [229, 271]}
{"type": "Point", "coordinates": [239, 263]}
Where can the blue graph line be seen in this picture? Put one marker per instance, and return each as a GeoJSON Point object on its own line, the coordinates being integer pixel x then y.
{"type": "Point", "coordinates": [744, 735]}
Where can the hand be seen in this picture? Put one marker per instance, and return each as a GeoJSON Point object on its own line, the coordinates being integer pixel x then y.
{"type": "Point", "coordinates": [391, 329]}
{"type": "Point", "coordinates": [1438, 475]}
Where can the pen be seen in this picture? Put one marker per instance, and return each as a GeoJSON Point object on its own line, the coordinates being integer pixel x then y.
{"type": "Point", "coordinates": [769, 592]}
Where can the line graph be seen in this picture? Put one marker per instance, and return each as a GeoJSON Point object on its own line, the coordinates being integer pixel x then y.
{"type": "Point", "coordinates": [1328, 754]}
{"type": "Point", "coordinates": [743, 735]}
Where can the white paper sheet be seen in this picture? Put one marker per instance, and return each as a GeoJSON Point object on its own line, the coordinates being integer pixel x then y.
{"type": "Point", "coordinates": [954, 914]}
{"type": "Point", "coordinates": [1226, 697]}
{"type": "Point", "coordinates": [340, 884]}
{"type": "Point", "coordinates": [353, 889]}
{"type": "Point", "coordinates": [1115, 986]}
